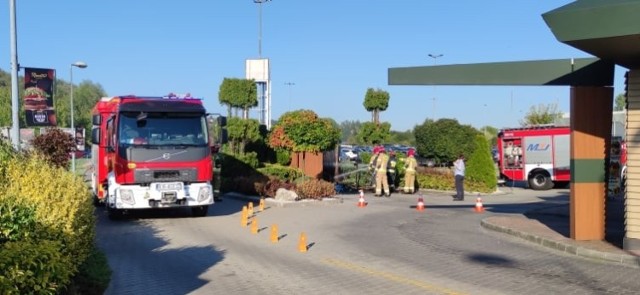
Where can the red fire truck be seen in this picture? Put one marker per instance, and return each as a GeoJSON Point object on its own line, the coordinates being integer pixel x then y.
{"type": "Point", "coordinates": [151, 152]}
{"type": "Point", "coordinates": [540, 155]}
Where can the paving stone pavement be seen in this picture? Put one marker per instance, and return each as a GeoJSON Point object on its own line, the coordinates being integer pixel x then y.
{"type": "Point", "coordinates": [386, 248]}
{"type": "Point", "coordinates": [547, 226]}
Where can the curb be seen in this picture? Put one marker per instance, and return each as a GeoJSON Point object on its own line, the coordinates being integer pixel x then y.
{"type": "Point", "coordinates": [284, 204]}
{"type": "Point", "coordinates": [622, 259]}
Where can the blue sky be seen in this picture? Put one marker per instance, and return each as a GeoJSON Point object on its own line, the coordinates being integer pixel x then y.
{"type": "Point", "coordinates": [332, 50]}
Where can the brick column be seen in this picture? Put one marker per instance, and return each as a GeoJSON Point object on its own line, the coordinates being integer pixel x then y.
{"type": "Point", "coordinates": [591, 115]}
{"type": "Point", "coordinates": [632, 198]}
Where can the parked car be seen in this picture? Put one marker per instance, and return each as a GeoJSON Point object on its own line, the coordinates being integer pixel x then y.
{"type": "Point", "coordinates": [347, 154]}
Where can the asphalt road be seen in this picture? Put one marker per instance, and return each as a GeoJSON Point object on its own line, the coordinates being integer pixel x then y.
{"type": "Point", "coordinates": [385, 248]}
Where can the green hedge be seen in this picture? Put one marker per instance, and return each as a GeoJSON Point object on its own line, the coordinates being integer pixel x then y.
{"type": "Point", "coordinates": [47, 224]}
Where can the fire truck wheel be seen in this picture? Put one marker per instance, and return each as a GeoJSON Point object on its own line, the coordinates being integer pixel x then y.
{"type": "Point", "coordinates": [199, 211]}
{"type": "Point", "coordinates": [540, 181]}
{"type": "Point", "coordinates": [114, 214]}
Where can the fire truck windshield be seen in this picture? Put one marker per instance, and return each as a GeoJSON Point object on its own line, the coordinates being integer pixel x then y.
{"type": "Point", "coordinates": [156, 129]}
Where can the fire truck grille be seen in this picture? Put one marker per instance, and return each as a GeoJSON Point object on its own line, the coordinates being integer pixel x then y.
{"type": "Point", "coordinates": [148, 176]}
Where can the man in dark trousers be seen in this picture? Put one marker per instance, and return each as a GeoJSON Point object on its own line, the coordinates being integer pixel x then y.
{"type": "Point", "coordinates": [458, 172]}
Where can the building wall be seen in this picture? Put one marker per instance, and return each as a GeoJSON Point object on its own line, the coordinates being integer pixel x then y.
{"type": "Point", "coordinates": [632, 200]}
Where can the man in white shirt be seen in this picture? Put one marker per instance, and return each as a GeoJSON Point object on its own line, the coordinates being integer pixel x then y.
{"type": "Point", "coordinates": [458, 172]}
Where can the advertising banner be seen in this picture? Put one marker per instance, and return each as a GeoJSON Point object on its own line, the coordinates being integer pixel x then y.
{"type": "Point", "coordinates": [38, 97]}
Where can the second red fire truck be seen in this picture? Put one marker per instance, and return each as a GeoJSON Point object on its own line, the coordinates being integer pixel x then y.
{"type": "Point", "coordinates": [540, 155]}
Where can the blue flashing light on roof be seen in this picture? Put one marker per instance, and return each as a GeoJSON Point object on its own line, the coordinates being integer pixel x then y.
{"type": "Point", "coordinates": [179, 96]}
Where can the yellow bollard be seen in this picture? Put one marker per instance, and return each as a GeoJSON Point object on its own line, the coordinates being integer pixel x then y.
{"type": "Point", "coordinates": [254, 225]}
{"type": "Point", "coordinates": [302, 243]}
{"type": "Point", "coordinates": [250, 209]}
{"type": "Point", "coordinates": [274, 233]}
{"type": "Point", "coordinates": [243, 217]}
{"type": "Point", "coordinates": [261, 205]}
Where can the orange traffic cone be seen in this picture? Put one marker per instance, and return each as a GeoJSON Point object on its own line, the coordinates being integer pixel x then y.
{"type": "Point", "coordinates": [479, 208]}
{"type": "Point", "coordinates": [420, 206]}
{"type": "Point", "coordinates": [361, 202]}
{"type": "Point", "coordinates": [244, 217]}
{"type": "Point", "coordinates": [250, 209]}
{"type": "Point", "coordinates": [274, 233]}
{"type": "Point", "coordinates": [302, 243]}
{"type": "Point", "coordinates": [254, 225]}
{"type": "Point", "coordinates": [261, 205]}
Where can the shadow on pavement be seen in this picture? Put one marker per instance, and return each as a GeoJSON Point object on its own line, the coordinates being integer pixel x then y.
{"type": "Point", "coordinates": [141, 263]}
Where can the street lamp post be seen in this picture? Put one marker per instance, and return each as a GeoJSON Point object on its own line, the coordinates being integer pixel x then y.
{"type": "Point", "coordinates": [259, 2]}
{"type": "Point", "coordinates": [81, 65]}
{"type": "Point", "coordinates": [289, 84]}
{"type": "Point", "coordinates": [435, 58]}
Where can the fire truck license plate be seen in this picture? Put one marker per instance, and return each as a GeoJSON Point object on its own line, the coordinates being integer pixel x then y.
{"type": "Point", "coordinates": [169, 197]}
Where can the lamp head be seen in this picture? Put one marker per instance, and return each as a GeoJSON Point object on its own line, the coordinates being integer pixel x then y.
{"type": "Point", "coordinates": [79, 64]}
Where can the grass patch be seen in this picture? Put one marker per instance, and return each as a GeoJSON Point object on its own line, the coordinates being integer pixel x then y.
{"type": "Point", "coordinates": [93, 276]}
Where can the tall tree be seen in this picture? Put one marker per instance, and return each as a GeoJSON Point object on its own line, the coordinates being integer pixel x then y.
{"type": "Point", "coordinates": [240, 94]}
{"type": "Point", "coordinates": [242, 132]}
{"type": "Point", "coordinates": [541, 114]}
{"type": "Point", "coordinates": [350, 131]}
{"type": "Point", "coordinates": [376, 101]}
{"type": "Point", "coordinates": [403, 137]}
{"type": "Point", "coordinates": [372, 133]}
{"type": "Point", "coordinates": [620, 102]}
{"type": "Point", "coordinates": [444, 140]}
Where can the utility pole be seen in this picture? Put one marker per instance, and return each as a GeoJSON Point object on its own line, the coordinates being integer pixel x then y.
{"type": "Point", "coordinates": [435, 58]}
{"type": "Point", "coordinates": [15, 127]}
{"type": "Point", "coordinates": [289, 84]}
{"type": "Point", "coordinates": [259, 2]}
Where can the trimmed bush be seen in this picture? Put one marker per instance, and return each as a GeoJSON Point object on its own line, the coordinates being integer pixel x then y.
{"type": "Point", "coordinates": [271, 187]}
{"type": "Point", "coordinates": [315, 189]}
{"type": "Point", "coordinates": [16, 222]}
{"type": "Point", "coordinates": [480, 168]}
{"type": "Point", "coordinates": [443, 180]}
{"type": "Point", "coordinates": [283, 172]}
{"type": "Point", "coordinates": [61, 207]}
{"type": "Point", "coordinates": [283, 157]}
{"type": "Point", "coordinates": [55, 145]}
{"type": "Point", "coordinates": [34, 267]}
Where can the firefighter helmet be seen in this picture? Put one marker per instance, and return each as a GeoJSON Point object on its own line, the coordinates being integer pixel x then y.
{"type": "Point", "coordinates": [410, 152]}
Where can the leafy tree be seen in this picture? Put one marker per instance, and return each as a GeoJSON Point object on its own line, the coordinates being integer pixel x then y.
{"type": "Point", "coordinates": [241, 132]}
{"type": "Point", "coordinates": [491, 134]}
{"type": "Point", "coordinates": [239, 94]}
{"type": "Point", "coordinates": [480, 165]}
{"type": "Point", "coordinates": [5, 112]}
{"type": "Point", "coordinates": [350, 131]}
{"type": "Point", "coordinates": [541, 114]}
{"type": "Point", "coordinates": [376, 101]}
{"type": "Point", "coordinates": [403, 137]}
{"type": "Point", "coordinates": [85, 97]}
{"type": "Point", "coordinates": [620, 102]}
{"type": "Point", "coordinates": [444, 140]}
{"type": "Point", "coordinates": [372, 133]}
{"type": "Point", "coordinates": [304, 131]}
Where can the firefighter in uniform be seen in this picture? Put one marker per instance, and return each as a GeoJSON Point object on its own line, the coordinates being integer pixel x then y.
{"type": "Point", "coordinates": [372, 168]}
{"type": "Point", "coordinates": [410, 165]}
{"type": "Point", "coordinates": [391, 171]}
{"type": "Point", "coordinates": [382, 186]}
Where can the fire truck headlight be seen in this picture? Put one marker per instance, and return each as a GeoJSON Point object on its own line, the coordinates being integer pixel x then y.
{"type": "Point", "coordinates": [126, 196]}
{"type": "Point", "coordinates": [204, 194]}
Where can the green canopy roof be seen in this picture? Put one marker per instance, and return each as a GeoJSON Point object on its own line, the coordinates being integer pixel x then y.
{"type": "Point", "coordinates": [608, 29]}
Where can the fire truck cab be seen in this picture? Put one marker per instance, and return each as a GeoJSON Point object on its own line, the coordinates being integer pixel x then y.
{"type": "Point", "coordinates": [151, 152]}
